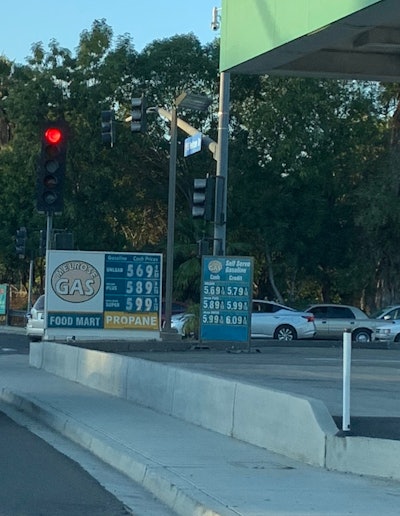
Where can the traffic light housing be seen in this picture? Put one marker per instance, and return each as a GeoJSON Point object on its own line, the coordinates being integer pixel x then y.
{"type": "Point", "coordinates": [203, 198]}
{"type": "Point", "coordinates": [139, 122]}
{"type": "Point", "coordinates": [20, 242]}
{"type": "Point", "coordinates": [108, 127]}
{"type": "Point", "coordinates": [52, 166]}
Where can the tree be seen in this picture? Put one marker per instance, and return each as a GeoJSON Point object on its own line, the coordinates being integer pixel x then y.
{"type": "Point", "coordinates": [313, 166]}
{"type": "Point", "coordinates": [309, 144]}
{"type": "Point", "coordinates": [114, 198]}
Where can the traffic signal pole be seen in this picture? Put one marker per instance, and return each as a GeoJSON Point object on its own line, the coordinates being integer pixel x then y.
{"type": "Point", "coordinates": [222, 167]}
{"type": "Point", "coordinates": [220, 154]}
{"type": "Point", "coordinates": [171, 221]}
{"type": "Point", "coordinates": [49, 230]}
{"type": "Point", "coordinates": [30, 285]}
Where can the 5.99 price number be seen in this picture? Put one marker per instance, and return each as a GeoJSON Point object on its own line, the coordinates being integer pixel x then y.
{"type": "Point", "coordinates": [140, 304]}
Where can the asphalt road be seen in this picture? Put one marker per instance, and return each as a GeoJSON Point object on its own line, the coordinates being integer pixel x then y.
{"type": "Point", "coordinates": [38, 480]}
{"type": "Point", "coordinates": [11, 343]}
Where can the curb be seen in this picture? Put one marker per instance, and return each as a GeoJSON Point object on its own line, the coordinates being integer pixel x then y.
{"type": "Point", "coordinates": [178, 494]}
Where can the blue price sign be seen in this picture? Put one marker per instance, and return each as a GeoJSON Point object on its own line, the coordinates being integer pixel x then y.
{"type": "Point", "coordinates": [132, 286]}
{"type": "Point", "coordinates": [132, 282]}
{"type": "Point", "coordinates": [226, 296]}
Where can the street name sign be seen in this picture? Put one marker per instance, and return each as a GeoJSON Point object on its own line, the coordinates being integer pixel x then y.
{"type": "Point", "coordinates": [192, 144]}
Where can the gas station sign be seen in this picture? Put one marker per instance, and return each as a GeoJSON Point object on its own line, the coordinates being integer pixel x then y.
{"type": "Point", "coordinates": [103, 295]}
{"type": "Point", "coordinates": [226, 296]}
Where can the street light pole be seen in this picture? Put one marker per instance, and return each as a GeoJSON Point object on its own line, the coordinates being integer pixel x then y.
{"type": "Point", "coordinates": [222, 165]}
{"type": "Point", "coordinates": [171, 219]}
{"type": "Point", "coordinates": [189, 101]}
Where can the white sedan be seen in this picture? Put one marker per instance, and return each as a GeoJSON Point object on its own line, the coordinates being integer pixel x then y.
{"type": "Point", "coordinates": [272, 320]}
{"type": "Point", "coordinates": [389, 332]}
{"type": "Point", "coordinates": [35, 321]}
{"type": "Point", "coordinates": [269, 320]}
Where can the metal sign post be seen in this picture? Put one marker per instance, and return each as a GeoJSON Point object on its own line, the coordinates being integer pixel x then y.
{"type": "Point", "coordinates": [346, 383]}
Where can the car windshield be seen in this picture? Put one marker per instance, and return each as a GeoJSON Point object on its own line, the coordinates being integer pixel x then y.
{"type": "Point", "coordinates": [39, 305]}
{"type": "Point", "coordinates": [378, 314]}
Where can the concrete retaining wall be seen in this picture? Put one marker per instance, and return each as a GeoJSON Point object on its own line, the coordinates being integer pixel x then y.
{"type": "Point", "coordinates": [292, 425]}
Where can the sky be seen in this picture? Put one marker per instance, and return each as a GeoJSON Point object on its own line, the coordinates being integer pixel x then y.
{"type": "Point", "coordinates": [26, 22]}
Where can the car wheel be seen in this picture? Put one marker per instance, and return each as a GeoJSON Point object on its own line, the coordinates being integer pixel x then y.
{"type": "Point", "coordinates": [285, 332]}
{"type": "Point", "coordinates": [397, 338]}
{"type": "Point", "coordinates": [362, 336]}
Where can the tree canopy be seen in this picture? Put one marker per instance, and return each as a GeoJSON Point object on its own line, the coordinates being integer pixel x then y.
{"type": "Point", "coordinates": [313, 181]}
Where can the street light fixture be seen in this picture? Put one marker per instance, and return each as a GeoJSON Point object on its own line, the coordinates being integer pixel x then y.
{"type": "Point", "coordinates": [187, 101]}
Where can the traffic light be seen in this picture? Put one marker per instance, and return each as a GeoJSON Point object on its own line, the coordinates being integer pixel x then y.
{"type": "Point", "coordinates": [20, 242]}
{"type": "Point", "coordinates": [138, 123]}
{"type": "Point", "coordinates": [51, 170]}
{"type": "Point", "coordinates": [108, 127]}
{"type": "Point", "coordinates": [203, 198]}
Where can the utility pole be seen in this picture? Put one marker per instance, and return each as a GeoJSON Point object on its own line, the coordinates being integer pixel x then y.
{"type": "Point", "coordinates": [222, 166]}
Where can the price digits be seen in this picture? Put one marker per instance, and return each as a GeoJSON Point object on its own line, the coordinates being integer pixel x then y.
{"type": "Point", "coordinates": [139, 304]}
{"type": "Point", "coordinates": [141, 271]}
{"type": "Point", "coordinates": [237, 320]}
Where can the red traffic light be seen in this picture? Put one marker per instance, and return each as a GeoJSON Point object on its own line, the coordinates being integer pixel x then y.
{"type": "Point", "coordinates": [52, 167]}
{"type": "Point", "coordinates": [53, 135]}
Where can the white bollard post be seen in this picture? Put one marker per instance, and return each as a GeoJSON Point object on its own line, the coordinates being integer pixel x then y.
{"type": "Point", "coordinates": [346, 381]}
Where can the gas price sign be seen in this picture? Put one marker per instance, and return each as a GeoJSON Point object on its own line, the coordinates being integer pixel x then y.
{"type": "Point", "coordinates": [226, 296]}
{"type": "Point", "coordinates": [100, 293]}
{"type": "Point", "coordinates": [131, 285]}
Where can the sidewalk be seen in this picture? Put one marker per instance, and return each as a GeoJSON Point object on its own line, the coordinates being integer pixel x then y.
{"type": "Point", "coordinates": [192, 470]}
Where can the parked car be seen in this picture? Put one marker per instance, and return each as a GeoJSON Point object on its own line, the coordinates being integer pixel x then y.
{"type": "Point", "coordinates": [273, 320]}
{"type": "Point", "coordinates": [183, 324]}
{"type": "Point", "coordinates": [177, 307]}
{"type": "Point", "coordinates": [268, 320]}
{"type": "Point", "coordinates": [35, 321]}
{"type": "Point", "coordinates": [332, 319]}
{"type": "Point", "coordinates": [388, 313]}
{"type": "Point", "coordinates": [388, 332]}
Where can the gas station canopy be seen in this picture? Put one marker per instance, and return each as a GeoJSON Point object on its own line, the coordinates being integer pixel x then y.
{"type": "Point", "coordinates": [337, 39]}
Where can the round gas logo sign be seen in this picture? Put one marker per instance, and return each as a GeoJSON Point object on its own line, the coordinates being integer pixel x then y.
{"type": "Point", "coordinates": [76, 281]}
